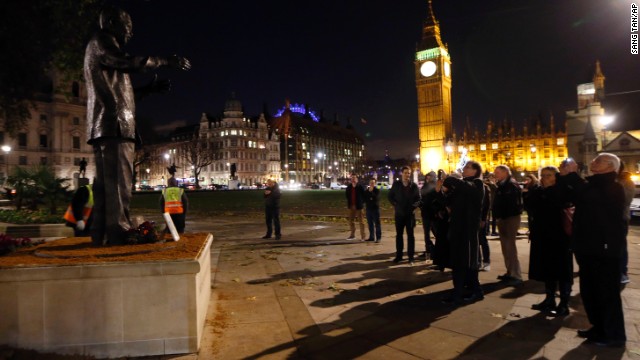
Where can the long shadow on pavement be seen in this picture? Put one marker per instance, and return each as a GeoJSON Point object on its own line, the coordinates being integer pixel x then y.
{"type": "Point", "coordinates": [376, 325]}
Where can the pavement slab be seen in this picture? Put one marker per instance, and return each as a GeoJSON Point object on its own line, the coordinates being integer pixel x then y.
{"type": "Point", "coordinates": [315, 295]}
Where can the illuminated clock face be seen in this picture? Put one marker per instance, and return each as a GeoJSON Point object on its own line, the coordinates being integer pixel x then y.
{"type": "Point", "coordinates": [447, 69]}
{"type": "Point", "coordinates": [428, 68]}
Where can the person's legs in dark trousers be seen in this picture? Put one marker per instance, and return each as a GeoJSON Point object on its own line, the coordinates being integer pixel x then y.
{"type": "Point", "coordinates": [493, 224]}
{"type": "Point", "coordinates": [426, 227]}
{"type": "Point", "coordinates": [112, 190]}
{"type": "Point", "coordinates": [473, 284]}
{"type": "Point", "coordinates": [400, 225]}
{"type": "Point", "coordinates": [458, 276]}
{"type": "Point", "coordinates": [268, 214]}
{"type": "Point", "coordinates": [411, 240]}
{"type": "Point", "coordinates": [549, 302]}
{"type": "Point", "coordinates": [624, 263]}
{"type": "Point", "coordinates": [376, 220]}
{"type": "Point", "coordinates": [600, 292]}
{"type": "Point", "coordinates": [276, 220]}
{"type": "Point", "coordinates": [178, 222]}
{"type": "Point", "coordinates": [370, 223]}
{"type": "Point", "coordinates": [485, 259]}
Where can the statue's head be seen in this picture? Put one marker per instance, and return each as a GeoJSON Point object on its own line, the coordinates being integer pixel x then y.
{"type": "Point", "coordinates": [117, 22]}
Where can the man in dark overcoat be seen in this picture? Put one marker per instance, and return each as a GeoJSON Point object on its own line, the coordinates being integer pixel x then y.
{"type": "Point", "coordinates": [464, 199]}
{"type": "Point", "coordinates": [598, 240]}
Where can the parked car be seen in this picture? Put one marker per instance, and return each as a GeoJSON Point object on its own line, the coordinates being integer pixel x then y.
{"type": "Point", "coordinates": [383, 185]}
{"type": "Point", "coordinates": [634, 208]}
{"type": "Point", "coordinates": [336, 186]}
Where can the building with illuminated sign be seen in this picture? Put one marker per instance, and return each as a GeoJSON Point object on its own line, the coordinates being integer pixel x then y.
{"type": "Point", "coordinates": [313, 149]}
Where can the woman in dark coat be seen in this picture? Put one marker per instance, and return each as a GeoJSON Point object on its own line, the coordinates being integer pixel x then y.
{"type": "Point", "coordinates": [464, 199]}
{"type": "Point", "coordinates": [437, 202]}
{"type": "Point", "coordinates": [550, 258]}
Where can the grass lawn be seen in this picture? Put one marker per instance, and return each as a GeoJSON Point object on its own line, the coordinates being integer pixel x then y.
{"type": "Point", "coordinates": [300, 202]}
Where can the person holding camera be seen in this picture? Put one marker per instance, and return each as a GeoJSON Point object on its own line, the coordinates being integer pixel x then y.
{"type": "Point", "coordinates": [598, 238]}
{"type": "Point", "coordinates": [464, 199]}
{"type": "Point", "coordinates": [405, 198]}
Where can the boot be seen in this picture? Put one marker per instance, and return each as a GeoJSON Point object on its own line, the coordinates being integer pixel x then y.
{"type": "Point", "coordinates": [562, 309]}
{"type": "Point", "coordinates": [548, 304]}
{"type": "Point", "coordinates": [563, 306]}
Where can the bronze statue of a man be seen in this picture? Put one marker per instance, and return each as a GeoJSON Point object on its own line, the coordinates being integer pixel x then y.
{"type": "Point", "coordinates": [111, 120]}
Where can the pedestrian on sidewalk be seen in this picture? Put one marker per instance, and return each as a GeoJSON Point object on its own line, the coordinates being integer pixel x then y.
{"type": "Point", "coordinates": [624, 178]}
{"type": "Point", "coordinates": [597, 241]}
{"type": "Point", "coordinates": [272, 209]}
{"type": "Point", "coordinates": [174, 201]}
{"type": "Point", "coordinates": [372, 201]}
{"type": "Point", "coordinates": [550, 257]}
{"type": "Point", "coordinates": [491, 183]}
{"type": "Point", "coordinates": [405, 198]}
{"type": "Point", "coordinates": [355, 203]}
{"type": "Point", "coordinates": [440, 223]}
{"type": "Point", "coordinates": [507, 208]}
{"type": "Point", "coordinates": [464, 200]}
{"type": "Point", "coordinates": [427, 194]}
{"type": "Point", "coordinates": [484, 260]}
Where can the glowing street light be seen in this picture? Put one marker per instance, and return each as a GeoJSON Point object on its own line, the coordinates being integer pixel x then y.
{"type": "Point", "coordinates": [605, 120]}
{"type": "Point", "coordinates": [7, 150]}
{"type": "Point", "coordinates": [449, 150]}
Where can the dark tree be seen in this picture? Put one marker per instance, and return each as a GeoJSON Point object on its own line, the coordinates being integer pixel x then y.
{"type": "Point", "coordinates": [36, 38]}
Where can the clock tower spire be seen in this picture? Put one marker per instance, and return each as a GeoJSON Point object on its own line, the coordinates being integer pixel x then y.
{"type": "Point", "coordinates": [433, 84]}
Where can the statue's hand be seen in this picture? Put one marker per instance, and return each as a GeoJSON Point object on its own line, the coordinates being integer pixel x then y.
{"type": "Point", "coordinates": [179, 62]}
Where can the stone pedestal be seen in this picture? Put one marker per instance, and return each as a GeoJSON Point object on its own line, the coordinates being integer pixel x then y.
{"type": "Point", "coordinates": [111, 309]}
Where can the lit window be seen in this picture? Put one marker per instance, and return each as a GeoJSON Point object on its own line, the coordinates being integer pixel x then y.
{"type": "Point", "coordinates": [560, 141]}
{"type": "Point", "coordinates": [460, 148]}
{"type": "Point", "coordinates": [483, 147]}
{"type": "Point", "coordinates": [494, 146]}
{"type": "Point", "coordinates": [221, 133]}
{"type": "Point", "coordinates": [472, 147]}
{"type": "Point", "coordinates": [234, 132]}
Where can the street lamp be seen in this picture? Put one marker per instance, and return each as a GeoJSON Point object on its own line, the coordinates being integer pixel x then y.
{"type": "Point", "coordinates": [7, 150]}
{"type": "Point", "coordinates": [449, 150]}
{"type": "Point", "coordinates": [148, 171]}
{"type": "Point", "coordinates": [605, 120]}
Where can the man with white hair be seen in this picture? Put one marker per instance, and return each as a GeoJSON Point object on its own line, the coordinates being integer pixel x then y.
{"type": "Point", "coordinates": [597, 241]}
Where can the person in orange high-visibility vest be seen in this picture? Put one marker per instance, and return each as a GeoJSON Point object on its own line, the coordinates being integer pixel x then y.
{"type": "Point", "coordinates": [79, 214]}
{"type": "Point", "coordinates": [174, 201]}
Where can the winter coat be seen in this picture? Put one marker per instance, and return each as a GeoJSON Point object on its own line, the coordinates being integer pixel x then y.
{"type": "Point", "coordinates": [464, 199]}
{"type": "Point", "coordinates": [273, 199]}
{"type": "Point", "coordinates": [372, 198]}
{"type": "Point", "coordinates": [550, 258]}
{"type": "Point", "coordinates": [404, 198]}
{"type": "Point", "coordinates": [359, 196]}
{"type": "Point", "coordinates": [508, 199]}
{"type": "Point", "coordinates": [598, 221]}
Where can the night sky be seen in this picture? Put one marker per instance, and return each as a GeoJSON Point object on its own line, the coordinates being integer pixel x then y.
{"type": "Point", "coordinates": [512, 59]}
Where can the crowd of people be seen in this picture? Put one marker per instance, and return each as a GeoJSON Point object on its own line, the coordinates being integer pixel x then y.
{"type": "Point", "coordinates": [568, 216]}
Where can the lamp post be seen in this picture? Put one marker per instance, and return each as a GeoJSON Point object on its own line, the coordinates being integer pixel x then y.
{"type": "Point", "coordinates": [449, 150]}
{"type": "Point", "coordinates": [7, 150]}
{"type": "Point", "coordinates": [315, 164]}
{"type": "Point", "coordinates": [148, 171]}
{"type": "Point", "coordinates": [605, 120]}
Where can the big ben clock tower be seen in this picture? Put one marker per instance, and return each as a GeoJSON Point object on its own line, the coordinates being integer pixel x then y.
{"type": "Point", "coordinates": [433, 82]}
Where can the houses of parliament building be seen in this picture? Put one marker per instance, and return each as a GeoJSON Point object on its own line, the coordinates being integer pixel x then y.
{"type": "Point", "coordinates": [524, 149]}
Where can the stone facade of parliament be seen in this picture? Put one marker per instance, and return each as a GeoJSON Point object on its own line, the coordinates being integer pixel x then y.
{"type": "Point", "coordinates": [524, 148]}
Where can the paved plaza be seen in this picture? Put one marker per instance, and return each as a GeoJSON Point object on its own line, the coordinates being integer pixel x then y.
{"type": "Point", "coordinates": [314, 295]}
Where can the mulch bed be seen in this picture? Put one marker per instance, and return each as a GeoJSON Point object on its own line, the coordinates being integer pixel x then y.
{"type": "Point", "coordinates": [78, 250]}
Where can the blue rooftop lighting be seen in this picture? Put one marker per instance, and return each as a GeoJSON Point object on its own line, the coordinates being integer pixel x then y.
{"type": "Point", "coordinates": [299, 108]}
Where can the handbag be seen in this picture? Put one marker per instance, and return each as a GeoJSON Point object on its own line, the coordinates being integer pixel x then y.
{"type": "Point", "coordinates": [567, 220]}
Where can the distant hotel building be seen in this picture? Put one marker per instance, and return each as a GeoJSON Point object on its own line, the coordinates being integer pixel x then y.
{"type": "Point", "coordinates": [312, 150]}
{"type": "Point", "coordinates": [294, 145]}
